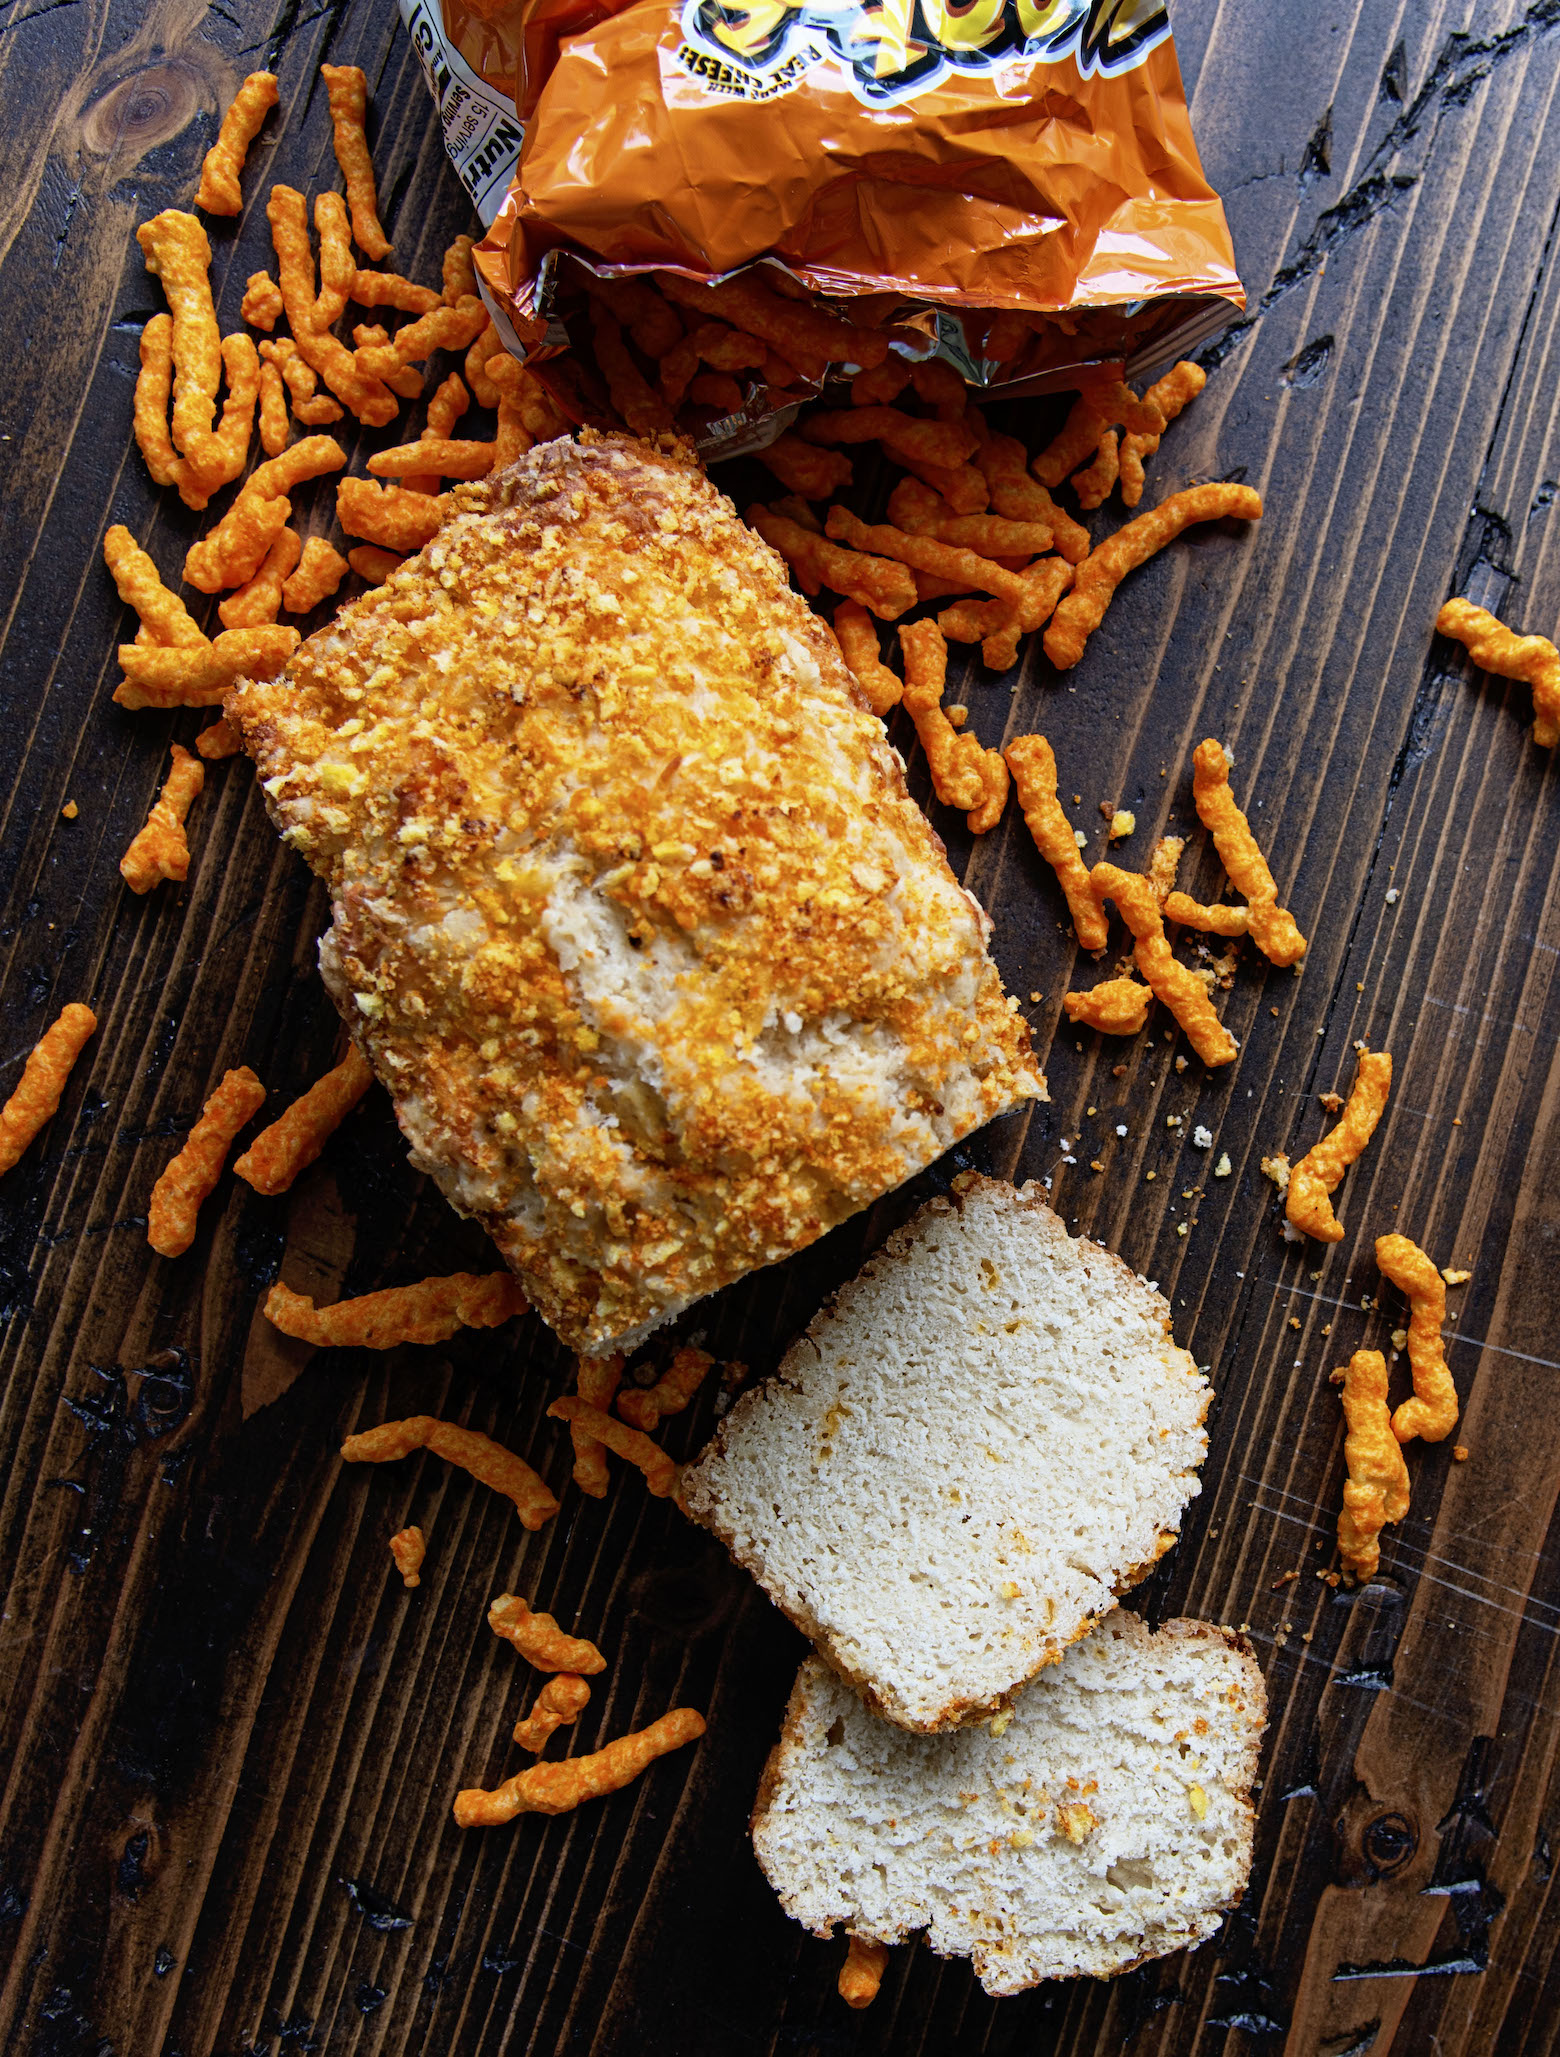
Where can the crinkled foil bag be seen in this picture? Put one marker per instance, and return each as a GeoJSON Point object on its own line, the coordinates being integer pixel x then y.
{"type": "Point", "coordinates": [934, 165]}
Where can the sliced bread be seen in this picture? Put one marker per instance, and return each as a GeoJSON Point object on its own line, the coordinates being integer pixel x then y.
{"type": "Point", "coordinates": [985, 1439]}
{"type": "Point", "coordinates": [1109, 1821]}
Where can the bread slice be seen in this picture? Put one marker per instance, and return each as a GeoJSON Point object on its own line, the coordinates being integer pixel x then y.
{"type": "Point", "coordinates": [985, 1439]}
{"type": "Point", "coordinates": [1110, 1821]}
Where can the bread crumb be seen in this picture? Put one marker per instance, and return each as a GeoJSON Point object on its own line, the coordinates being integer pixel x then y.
{"type": "Point", "coordinates": [1122, 823]}
{"type": "Point", "coordinates": [1276, 1168]}
{"type": "Point", "coordinates": [1075, 1818]}
{"type": "Point", "coordinates": [1150, 1175]}
{"type": "Point", "coordinates": [70, 810]}
{"type": "Point", "coordinates": [1223, 1168]}
{"type": "Point", "coordinates": [1455, 1278]}
{"type": "Point", "coordinates": [1202, 1137]}
{"type": "Point", "coordinates": [1121, 1128]}
{"type": "Point", "coordinates": [1080, 839]}
{"type": "Point", "coordinates": [1002, 1721]}
{"type": "Point", "coordinates": [957, 715]}
{"type": "Point", "coordinates": [1400, 1339]}
{"type": "Point", "coordinates": [1392, 895]}
{"type": "Point", "coordinates": [1331, 1101]}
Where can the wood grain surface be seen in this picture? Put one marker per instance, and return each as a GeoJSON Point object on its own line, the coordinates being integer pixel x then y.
{"type": "Point", "coordinates": [229, 1739]}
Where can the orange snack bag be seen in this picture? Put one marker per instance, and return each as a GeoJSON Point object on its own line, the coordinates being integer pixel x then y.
{"type": "Point", "coordinates": [37, 1096]}
{"type": "Point", "coordinates": [192, 1174]}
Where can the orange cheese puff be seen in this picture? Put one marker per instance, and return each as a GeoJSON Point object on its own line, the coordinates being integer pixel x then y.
{"type": "Point", "coordinates": [802, 334]}
{"type": "Point", "coordinates": [309, 458]}
{"type": "Point", "coordinates": [1096, 482]}
{"type": "Point", "coordinates": [539, 1640]}
{"type": "Point", "coordinates": [961, 485]}
{"type": "Point", "coordinates": [444, 456]}
{"type": "Point", "coordinates": [320, 571]}
{"type": "Point", "coordinates": [37, 1096]}
{"type": "Point", "coordinates": [277, 1155]}
{"type": "Point", "coordinates": [458, 271]}
{"type": "Point", "coordinates": [858, 640]}
{"type": "Point", "coordinates": [348, 92]}
{"type": "Point", "coordinates": [1118, 1007]}
{"type": "Point", "coordinates": [559, 1788]}
{"type": "Point", "coordinates": [389, 289]}
{"type": "Point", "coordinates": [717, 389]}
{"type": "Point", "coordinates": [511, 439]}
{"type": "Point", "coordinates": [1376, 1490]}
{"type": "Point", "coordinates": [1215, 920]}
{"type": "Point", "coordinates": [632, 395]}
{"type": "Point", "coordinates": [408, 1548]}
{"type": "Point", "coordinates": [223, 456]}
{"type": "Point", "coordinates": [954, 760]}
{"type": "Point", "coordinates": [635, 304]}
{"type": "Point", "coordinates": [154, 384]}
{"type": "Point", "coordinates": [199, 678]}
{"type": "Point", "coordinates": [449, 402]}
{"type": "Point", "coordinates": [1179, 386]}
{"type": "Point", "coordinates": [1007, 336]}
{"type": "Point", "coordinates": [996, 625]}
{"type": "Point", "coordinates": [442, 328]}
{"type": "Point", "coordinates": [888, 589]}
{"type": "Point", "coordinates": [561, 1701]}
{"type": "Point", "coordinates": [925, 553]}
{"type": "Point", "coordinates": [596, 1380]}
{"type": "Point", "coordinates": [310, 407]}
{"type": "Point", "coordinates": [1184, 994]}
{"type": "Point", "coordinates": [659, 1470]}
{"type": "Point", "coordinates": [274, 425]}
{"type": "Point", "coordinates": [862, 1972]}
{"type": "Point", "coordinates": [431, 1311]}
{"type": "Point", "coordinates": [489, 1463]}
{"type": "Point", "coordinates": [388, 515]}
{"type": "Point", "coordinates": [163, 614]}
{"type": "Point", "coordinates": [373, 564]}
{"type": "Point", "coordinates": [1081, 613]}
{"type": "Point", "coordinates": [236, 548]}
{"type": "Point", "coordinates": [218, 741]}
{"type": "Point", "coordinates": [1165, 857]}
{"type": "Point", "coordinates": [1308, 1203]}
{"type": "Point", "coordinates": [177, 253]}
{"type": "Point", "coordinates": [943, 443]}
{"type": "Point", "coordinates": [644, 1406]}
{"type": "Point", "coordinates": [488, 345]}
{"type": "Point", "coordinates": [368, 398]}
{"type": "Point", "coordinates": [880, 386]}
{"type": "Point", "coordinates": [259, 600]}
{"type": "Point", "coordinates": [1079, 434]}
{"type": "Point", "coordinates": [338, 267]}
{"type": "Point", "coordinates": [1032, 762]}
{"type": "Point", "coordinates": [1272, 927]}
{"type": "Point", "coordinates": [190, 1177]}
{"type": "Point", "coordinates": [915, 508]}
{"type": "Point", "coordinates": [804, 468]}
{"type": "Point", "coordinates": [261, 305]}
{"type": "Point", "coordinates": [370, 332]}
{"type": "Point", "coordinates": [219, 191]}
{"type": "Point", "coordinates": [992, 535]}
{"type": "Point", "coordinates": [994, 785]}
{"type": "Point", "coordinates": [538, 411]}
{"type": "Point", "coordinates": [1494, 647]}
{"type": "Point", "coordinates": [1004, 464]}
{"type": "Point", "coordinates": [1432, 1413]}
{"type": "Point", "coordinates": [792, 507]}
{"type": "Point", "coordinates": [160, 851]}
{"type": "Point", "coordinates": [940, 386]}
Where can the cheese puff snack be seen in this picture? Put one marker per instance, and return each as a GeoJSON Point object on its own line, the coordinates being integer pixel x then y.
{"type": "Point", "coordinates": [561, 1701]}
{"type": "Point", "coordinates": [1432, 1412]}
{"type": "Point", "coordinates": [559, 1788]}
{"type": "Point", "coordinates": [1308, 1203]}
{"type": "Point", "coordinates": [1033, 765]}
{"type": "Point", "coordinates": [161, 850]}
{"type": "Point", "coordinates": [37, 1096]}
{"type": "Point", "coordinates": [219, 191]}
{"type": "Point", "coordinates": [1182, 992]}
{"type": "Point", "coordinates": [539, 1639]}
{"type": "Point", "coordinates": [489, 1463]}
{"type": "Point", "coordinates": [429, 1312]}
{"type": "Point", "coordinates": [408, 1548]}
{"type": "Point", "coordinates": [1272, 928]}
{"type": "Point", "coordinates": [660, 1471]}
{"type": "Point", "coordinates": [193, 1173]}
{"type": "Point", "coordinates": [277, 1155]}
{"type": "Point", "coordinates": [1494, 647]}
{"type": "Point", "coordinates": [1376, 1490]}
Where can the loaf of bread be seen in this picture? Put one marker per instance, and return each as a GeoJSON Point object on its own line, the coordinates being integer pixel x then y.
{"type": "Point", "coordinates": [1109, 1821]}
{"type": "Point", "coordinates": [631, 911]}
{"type": "Point", "coordinates": [971, 1452]}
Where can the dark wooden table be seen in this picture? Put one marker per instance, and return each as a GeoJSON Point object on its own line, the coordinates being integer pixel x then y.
{"type": "Point", "coordinates": [230, 1739]}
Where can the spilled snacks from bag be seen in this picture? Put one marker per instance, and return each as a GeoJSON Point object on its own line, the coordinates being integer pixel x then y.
{"type": "Point", "coordinates": [1117, 1007]}
{"type": "Point", "coordinates": [659, 1469]}
{"type": "Point", "coordinates": [1271, 927]}
{"type": "Point", "coordinates": [320, 571]}
{"type": "Point", "coordinates": [158, 677]}
{"type": "Point", "coordinates": [1316, 1177]}
{"type": "Point", "coordinates": [538, 1638]}
{"type": "Point", "coordinates": [219, 191]}
{"type": "Point", "coordinates": [927, 554]}
{"type": "Point", "coordinates": [262, 305]}
{"type": "Point", "coordinates": [259, 599]}
{"type": "Point", "coordinates": [596, 1381]}
{"type": "Point", "coordinates": [1097, 481]}
{"type": "Point", "coordinates": [445, 457]}
{"type": "Point", "coordinates": [178, 255]}
{"type": "Point", "coordinates": [275, 427]}
{"type": "Point", "coordinates": [1032, 762]}
{"type": "Point", "coordinates": [408, 1548]}
{"type": "Point", "coordinates": [36, 1098]}
{"type": "Point", "coordinates": [372, 563]}
{"type": "Point", "coordinates": [1176, 390]}
{"type": "Point", "coordinates": [347, 90]}
{"type": "Point", "coordinates": [956, 761]}
{"type": "Point", "coordinates": [858, 640]}
{"type": "Point", "coordinates": [190, 1177]}
{"type": "Point", "coordinates": [560, 1702]}
{"type": "Point", "coordinates": [862, 1972]}
{"type": "Point", "coordinates": [1101, 572]}
{"type": "Point", "coordinates": [389, 289]}
{"type": "Point", "coordinates": [161, 850]}
{"type": "Point", "coordinates": [1494, 647]}
{"type": "Point", "coordinates": [431, 1311]}
{"type": "Point", "coordinates": [1376, 1489]}
{"type": "Point", "coordinates": [441, 328]}
{"type": "Point", "coordinates": [310, 407]}
{"type": "Point", "coordinates": [561, 1787]}
{"type": "Point", "coordinates": [645, 1407]}
{"type": "Point", "coordinates": [489, 1463]}
{"type": "Point", "coordinates": [218, 741]}
{"type": "Point", "coordinates": [885, 588]}
{"type": "Point", "coordinates": [277, 1155]}
{"type": "Point", "coordinates": [388, 516]}
{"type": "Point", "coordinates": [368, 398]}
{"type": "Point", "coordinates": [163, 614]}
{"type": "Point", "coordinates": [1432, 1412]}
{"type": "Point", "coordinates": [153, 386]}
{"type": "Point", "coordinates": [1180, 990]}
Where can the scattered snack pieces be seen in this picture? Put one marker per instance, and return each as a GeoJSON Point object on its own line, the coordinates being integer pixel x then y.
{"type": "Point", "coordinates": [348, 92]}
{"type": "Point", "coordinates": [1455, 1278]}
{"type": "Point", "coordinates": [1004, 464]}
{"type": "Point", "coordinates": [1376, 1490]}
{"type": "Point", "coordinates": [1101, 572]}
{"type": "Point", "coordinates": [310, 407]}
{"type": "Point", "coordinates": [178, 254]}
{"type": "Point", "coordinates": [1432, 1413]}
{"type": "Point", "coordinates": [219, 191]}
{"type": "Point", "coordinates": [596, 1381]}
{"type": "Point", "coordinates": [539, 1639]}
{"type": "Point", "coordinates": [429, 1312]}
{"type": "Point", "coordinates": [389, 516]}
{"type": "Point", "coordinates": [1122, 822]}
{"type": "Point", "coordinates": [1177, 389]}
{"type": "Point", "coordinates": [1181, 990]}
{"type": "Point", "coordinates": [561, 1701]}
{"type": "Point", "coordinates": [885, 588]}
{"type": "Point", "coordinates": [1278, 1169]}
{"type": "Point", "coordinates": [158, 677]}
{"type": "Point", "coordinates": [372, 563]}
{"type": "Point", "coordinates": [559, 1788]}
{"type": "Point", "coordinates": [275, 427]}
{"type": "Point", "coordinates": [218, 741]}
{"type": "Point", "coordinates": [445, 457]}
{"type": "Point", "coordinates": [1271, 927]}
{"type": "Point", "coordinates": [369, 398]}
{"type": "Point", "coordinates": [389, 289]}
{"type": "Point", "coordinates": [997, 625]}
{"type": "Point", "coordinates": [37, 1096]}
{"type": "Point", "coordinates": [1032, 762]}
{"type": "Point", "coordinates": [967, 568]}
{"type": "Point", "coordinates": [489, 1463]}
{"type": "Point", "coordinates": [458, 272]}
{"type": "Point", "coordinates": [1095, 484]}
{"type": "Point", "coordinates": [235, 549]}
{"type": "Point", "coordinates": [153, 385]}
{"type": "Point", "coordinates": [858, 641]}
{"type": "Point", "coordinates": [441, 328]}
{"type": "Point", "coordinates": [660, 1471]}
{"type": "Point", "coordinates": [320, 571]}
{"type": "Point", "coordinates": [259, 599]}
{"type": "Point", "coordinates": [957, 762]}
{"type": "Point", "coordinates": [862, 1972]}
{"type": "Point", "coordinates": [161, 850]}
{"type": "Point", "coordinates": [261, 305]}
{"type": "Point", "coordinates": [1118, 1007]}
{"type": "Point", "coordinates": [644, 1407]}
{"type": "Point", "coordinates": [1494, 647]}
{"type": "Point", "coordinates": [190, 1177]}
{"type": "Point", "coordinates": [408, 1548]}
{"type": "Point", "coordinates": [164, 616]}
{"type": "Point", "coordinates": [1317, 1175]}
{"type": "Point", "coordinates": [277, 1155]}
